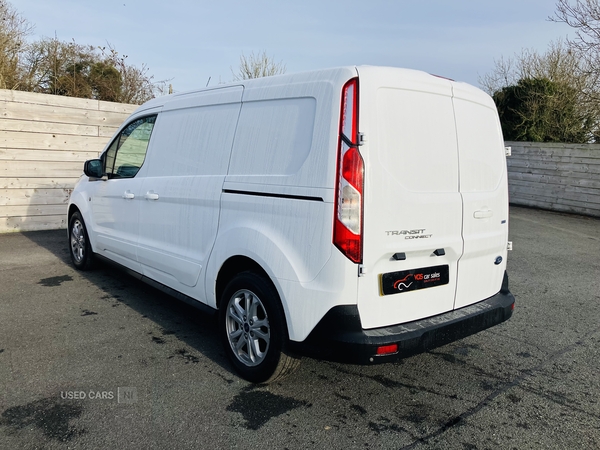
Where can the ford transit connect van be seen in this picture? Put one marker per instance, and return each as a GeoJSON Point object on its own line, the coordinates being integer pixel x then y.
{"type": "Point", "coordinates": [357, 214]}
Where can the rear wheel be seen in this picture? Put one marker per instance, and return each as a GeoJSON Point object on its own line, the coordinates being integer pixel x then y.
{"type": "Point", "coordinates": [253, 330]}
{"type": "Point", "coordinates": [79, 243]}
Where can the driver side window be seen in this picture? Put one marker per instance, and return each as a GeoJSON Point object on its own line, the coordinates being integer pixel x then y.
{"type": "Point", "coordinates": [127, 152]}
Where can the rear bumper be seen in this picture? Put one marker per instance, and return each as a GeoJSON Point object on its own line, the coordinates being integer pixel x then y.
{"type": "Point", "coordinates": [340, 337]}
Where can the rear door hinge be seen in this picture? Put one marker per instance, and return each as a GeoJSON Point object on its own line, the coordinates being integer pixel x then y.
{"type": "Point", "coordinates": [362, 270]}
{"type": "Point", "coordinates": [362, 139]}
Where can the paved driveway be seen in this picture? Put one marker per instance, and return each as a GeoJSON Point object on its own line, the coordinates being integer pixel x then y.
{"type": "Point", "coordinates": [100, 360]}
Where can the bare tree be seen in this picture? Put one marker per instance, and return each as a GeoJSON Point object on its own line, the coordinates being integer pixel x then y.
{"type": "Point", "coordinates": [256, 66]}
{"type": "Point", "coordinates": [56, 67]}
{"type": "Point", "coordinates": [137, 84]}
{"type": "Point", "coordinates": [545, 96]}
{"type": "Point", "coordinates": [584, 17]}
{"type": "Point", "coordinates": [505, 73]}
{"type": "Point", "coordinates": [558, 87]}
{"type": "Point", "coordinates": [66, 68]}
{"type": "Point", "coordinates": [558, 64]}
{"type": "Point", "coordinates": [49, 65]}
{"type": "Point", "coordinates": [13, 31]}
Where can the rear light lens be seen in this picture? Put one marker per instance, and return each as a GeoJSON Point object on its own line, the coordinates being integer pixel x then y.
{"type": "Point", "coordinates": [349, 212]}
{"type": "Point", "coordinates": [348, 220]}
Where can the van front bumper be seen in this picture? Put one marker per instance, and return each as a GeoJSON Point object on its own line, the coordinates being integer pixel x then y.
{"type": "Point", "coordinates": [340, 337]}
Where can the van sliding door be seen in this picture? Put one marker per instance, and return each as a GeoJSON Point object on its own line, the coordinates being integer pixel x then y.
{"type": "Point", "coordinates": [187, 164]}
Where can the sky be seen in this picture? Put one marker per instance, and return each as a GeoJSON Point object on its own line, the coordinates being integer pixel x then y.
{"type": "Point", "coordinates": [191, 42]}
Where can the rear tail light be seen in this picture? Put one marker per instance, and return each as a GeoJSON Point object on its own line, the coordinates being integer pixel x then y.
{"type": "Point", "coordinates": [348, 220]}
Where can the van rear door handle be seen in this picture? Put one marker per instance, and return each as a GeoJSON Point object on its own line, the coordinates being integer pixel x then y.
{"type": "Point", "coordinates": [128, 195]}
{"type": "Point", "coordinates": [483, 214]}
{"type": "Point", "coordinates": [151, 195]}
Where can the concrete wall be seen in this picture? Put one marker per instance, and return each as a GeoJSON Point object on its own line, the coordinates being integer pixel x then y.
{"type": "Point", "coordinates": [44, 140]}
{"type": "Point", "coordinates": [558, 177]}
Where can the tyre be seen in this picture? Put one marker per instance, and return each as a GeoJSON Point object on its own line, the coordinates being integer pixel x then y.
{"type": "Point", "coordinates": [253, 329]}
{"type": "Point", "coordinates": [79, 243]}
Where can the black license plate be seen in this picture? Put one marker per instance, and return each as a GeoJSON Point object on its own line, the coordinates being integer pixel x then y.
{"type": "Point", "coordinates": [414, 279]}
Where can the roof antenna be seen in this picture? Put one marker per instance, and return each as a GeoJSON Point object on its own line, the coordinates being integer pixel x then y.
{"type": "Point", "coordinates": [208, 81]}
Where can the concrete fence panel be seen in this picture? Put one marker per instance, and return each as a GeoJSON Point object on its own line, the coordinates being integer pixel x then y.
{"type": "Point", "coordinates": [44, 140]}
{"type": "Point", "coordinates": [557, 177]}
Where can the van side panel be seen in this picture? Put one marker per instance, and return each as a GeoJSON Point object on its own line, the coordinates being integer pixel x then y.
{"type": "Point", "coordinates": [287, 134]}
{"type": "Point", "coordinates": [274, 140]}
{"type": "Point", "coordinates": [306, 296]}
{"type": "Point", "coordinates": [280, 150]}
{"type": "Point", "coordinates": [280, 184]}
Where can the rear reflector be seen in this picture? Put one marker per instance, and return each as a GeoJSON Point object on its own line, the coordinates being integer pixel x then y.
{"type": "Point", "coordinates": [387, 349]}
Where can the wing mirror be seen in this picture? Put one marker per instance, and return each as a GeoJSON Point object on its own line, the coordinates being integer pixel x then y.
{"type": "Point", "coordinates": [93, 168]}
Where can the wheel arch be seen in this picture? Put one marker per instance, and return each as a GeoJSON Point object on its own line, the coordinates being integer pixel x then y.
{"type": "Point", "coordinates": [238, 264]}
{"type": "Point", "coordinates": [72, 208]}
{"type": "Point", "coordinates": [232, 267]}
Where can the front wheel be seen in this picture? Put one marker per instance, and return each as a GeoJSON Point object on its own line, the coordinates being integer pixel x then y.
{"type": "Point", "coordinates": [79, 243]}
{"type": "Point", "coordinates": [253, 330]}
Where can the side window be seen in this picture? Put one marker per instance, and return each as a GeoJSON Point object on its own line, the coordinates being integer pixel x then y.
{"type": "Point", "coordinates": [127, 152]}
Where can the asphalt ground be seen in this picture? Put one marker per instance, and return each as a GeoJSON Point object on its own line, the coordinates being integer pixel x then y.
{"type": "Point", "coordinates": [101, 360]}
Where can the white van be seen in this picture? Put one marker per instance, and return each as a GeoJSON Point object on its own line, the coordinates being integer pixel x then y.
{"type": "Point", "coordinates": [357, 214]}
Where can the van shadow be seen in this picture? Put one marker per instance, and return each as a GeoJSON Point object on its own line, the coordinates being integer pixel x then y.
{"type": "Point", "coordinates": [190, 326]}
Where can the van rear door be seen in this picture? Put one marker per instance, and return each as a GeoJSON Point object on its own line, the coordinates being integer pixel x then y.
{"type": "Point", "coordinates": [483, 187]}
{"type": "Point", "coordinates": [413, 214]}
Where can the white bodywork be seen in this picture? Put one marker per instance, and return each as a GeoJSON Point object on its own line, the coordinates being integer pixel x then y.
{"type": "Point", "coordinates": [249, 170]}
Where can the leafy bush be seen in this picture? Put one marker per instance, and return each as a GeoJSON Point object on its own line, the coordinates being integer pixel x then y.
{"type": "Point", "coordinates": [541, 110]}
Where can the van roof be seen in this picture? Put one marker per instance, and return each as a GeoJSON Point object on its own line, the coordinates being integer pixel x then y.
{"type": "Point", "coordinates": [331, 74]}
